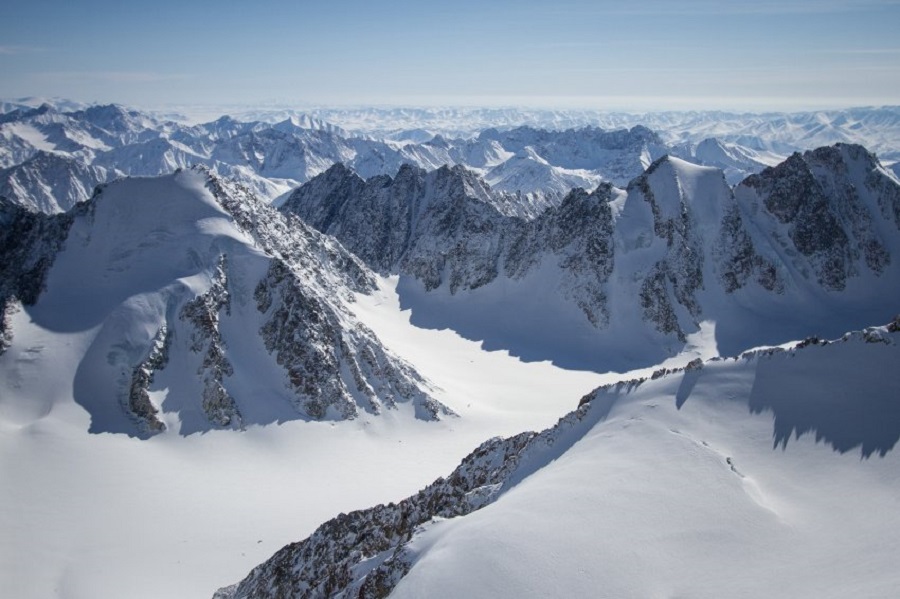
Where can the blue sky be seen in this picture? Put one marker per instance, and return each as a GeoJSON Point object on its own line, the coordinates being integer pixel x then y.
{"type": "Point", "coordinates": [648, 55]}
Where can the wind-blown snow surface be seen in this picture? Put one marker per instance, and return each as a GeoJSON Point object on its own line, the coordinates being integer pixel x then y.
{"type": "Point", "coordinates": [770, 475]}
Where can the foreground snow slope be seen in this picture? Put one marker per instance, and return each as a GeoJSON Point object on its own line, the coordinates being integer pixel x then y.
{"type": "Point", "coordinates": [772, 474]}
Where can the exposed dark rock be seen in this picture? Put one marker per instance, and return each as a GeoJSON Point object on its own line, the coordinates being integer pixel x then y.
{"type": "Point", "coordinates": [138, 403]}
{"type": "Point", "coordinates": [202, 313]}
{"type": "Point", "coordinates": [815, 195]}
{"type": "Point", "coordinates": [29, 243]}
{"type": "Point", "coordinates": [655, 302]}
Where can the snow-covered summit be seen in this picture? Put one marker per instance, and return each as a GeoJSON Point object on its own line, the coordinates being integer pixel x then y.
{"type": "Point", "coordinates": [196, 306]}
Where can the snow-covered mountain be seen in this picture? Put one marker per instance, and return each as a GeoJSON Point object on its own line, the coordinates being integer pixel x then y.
{"type": "Point", "coordinates": [732, 477]}
{"type": "Point", "coordinates": [615, 278]}
{"type": "Point", "coordinates": [539, 154]}
{"type": "Point", "coordinates": [877, 128]}
{"type": "Point", "coordinates": [735, 161]}
{"type": "Point", "coordinates": [49, 182]}
{"type": "Point", "coordinates": [189, 304]}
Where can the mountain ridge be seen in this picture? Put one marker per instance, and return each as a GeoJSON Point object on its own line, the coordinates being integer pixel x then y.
{"type": "Point", "coordinates": [678, 238]}
{"type": "Point", "coordinates": [369, 553]}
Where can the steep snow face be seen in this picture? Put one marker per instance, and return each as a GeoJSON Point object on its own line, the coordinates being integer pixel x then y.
{"type": "Point", "coordinates": [736, 161]}
{"type": "Point", "coordinates": [528, 172]}
{"type": "Point", "coordinates": [190, 305]}
{"type": "Point", "coordinates": [650, 486]}
{"type": "Point", "coordinates": [622, 279]}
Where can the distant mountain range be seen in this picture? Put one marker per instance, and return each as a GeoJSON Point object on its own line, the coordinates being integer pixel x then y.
{"type": "Point", "coordinates": [52, 155]}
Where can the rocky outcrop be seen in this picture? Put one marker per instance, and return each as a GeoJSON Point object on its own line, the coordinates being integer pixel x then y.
{"type": "Point", "coordinates": [334, 371]}
{"type": "Point", "coordinates": [739, 260]}
{"type": "Point", "coordinates": [202, 314]}
{"type": "Point", "coordinates": [138, 402]}
{"type": "Point", "coordinates": [331, 562]}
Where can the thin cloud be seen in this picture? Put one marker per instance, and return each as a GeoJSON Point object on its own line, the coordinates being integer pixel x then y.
{"type": "Point", "coordinates": [9, 50]}
{"type": "Point", "coordinates": [759, 7]}
{"type": "Point", "coordinates": [871, 51]}
{"type": "Point", "coordinates": [113, 76]}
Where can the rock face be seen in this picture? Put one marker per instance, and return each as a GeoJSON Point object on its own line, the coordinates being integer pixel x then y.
{"type": "Point", "coordinates": [202, 315]}
{"type": "Point", "coordinates": [676, 248]}
{"type": "Point", "coordinates": [445, 229]}
{"type": "Point", "coordinates": [139, 404]}
{"type": "Point", "coordinates": [330, 563]}
{"type": "Point", "coordinates": [333, 369]}
{"type": "Point", "coordinates": [834, 206]}
{"type": "Point", "coordinates": [28, 246]}
{"type": "Point", "coordinates": [209, 306]}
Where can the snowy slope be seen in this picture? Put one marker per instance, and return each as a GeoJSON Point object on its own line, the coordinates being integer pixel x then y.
{"type": "Point", "coordinates": [104, 516]}
{"type": "Point", "coordinates": [528, 172]}
{"type": "Point", "coordinates": [737, 162]}
{"type": "Point", "coordinates": [737, 478]}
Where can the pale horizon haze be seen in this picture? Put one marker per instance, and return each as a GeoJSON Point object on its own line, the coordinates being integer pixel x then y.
{"type": "Point", "coordinates": [695, 54]}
